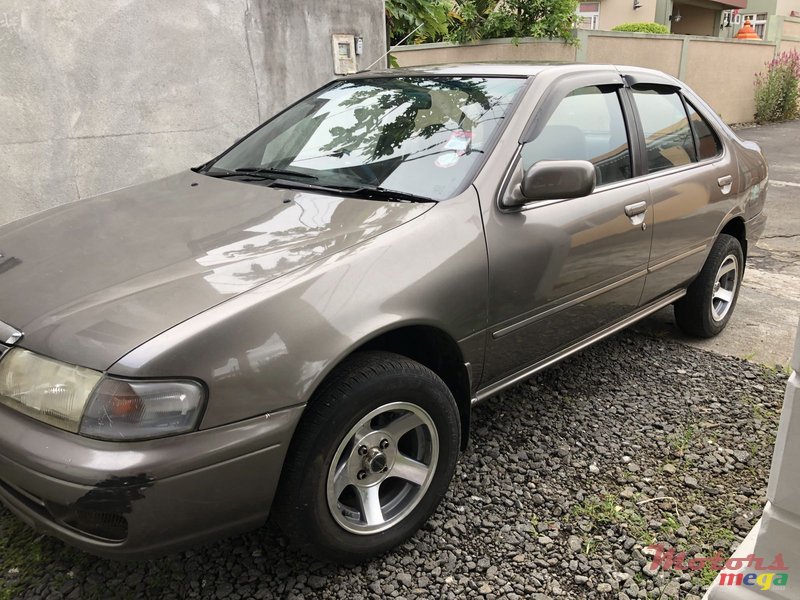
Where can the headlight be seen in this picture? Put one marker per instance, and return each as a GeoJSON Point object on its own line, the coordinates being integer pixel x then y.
{"type": "Point", "coordinates": [83, 401]}
{"type": "Point", "coordinates": [126, 410]}
{"type": "Point", "coordinates": [45, 389]}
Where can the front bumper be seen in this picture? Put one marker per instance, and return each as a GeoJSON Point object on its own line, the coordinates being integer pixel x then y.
{"type": "Point", "coordinates": [139, 499]}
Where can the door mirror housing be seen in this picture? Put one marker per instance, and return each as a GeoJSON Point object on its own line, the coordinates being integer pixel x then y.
{"type": "Point", "coordinates": [553, 180]}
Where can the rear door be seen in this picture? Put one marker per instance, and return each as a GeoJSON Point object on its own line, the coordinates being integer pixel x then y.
{"type": "Point", "coordinates": [562, 269]}
{"type": "Point", "coordinates": [690, 176]}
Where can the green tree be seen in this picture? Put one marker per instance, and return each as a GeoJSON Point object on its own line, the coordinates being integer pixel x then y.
{"type": "Point", "coordinates": [404, 16]}
{"type": "Point", "coordinates": [485, 19]}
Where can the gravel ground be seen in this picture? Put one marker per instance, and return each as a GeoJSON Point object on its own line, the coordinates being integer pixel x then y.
{"type": "Point", "coordinates": [548, 502]}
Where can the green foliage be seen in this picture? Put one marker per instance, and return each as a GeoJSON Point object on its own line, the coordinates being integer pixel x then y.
{"type": "Point", "coordinates": [777, 90]}
{"type": "Point", "coordinates": [404, 16]}
{"type": "Point", "coordinates": [603, 513]}
{"type": "Point", "coordinates": [485, 19]}
{"type": "Point", "coordinates": [470, 20]}
{"type": "Point", "coordinates": [642, 28]}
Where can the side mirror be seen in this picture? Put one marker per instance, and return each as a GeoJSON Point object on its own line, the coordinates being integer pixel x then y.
{"type": "Point", "coordinates": [553, 179]}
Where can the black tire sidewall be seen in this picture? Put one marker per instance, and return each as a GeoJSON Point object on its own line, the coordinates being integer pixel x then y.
{"type": "Point", "coordinates": [697, 305]}
{"type": "Point", "coordinates": [324, 537]}
{"type": "Point", "coordinates": [731, 247]}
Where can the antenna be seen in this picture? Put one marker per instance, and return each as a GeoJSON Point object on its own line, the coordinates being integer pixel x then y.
{"type": "Point", "coordinates": [385, 54]}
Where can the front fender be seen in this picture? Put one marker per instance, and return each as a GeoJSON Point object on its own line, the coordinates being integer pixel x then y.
{"type": "Point", "coordinates": [270, 348]}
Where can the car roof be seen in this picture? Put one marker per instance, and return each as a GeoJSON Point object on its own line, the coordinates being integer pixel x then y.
{"type": "Point", "coordinates": [513, 69]}
{"type": "Point", "coordinates": [517, 69]}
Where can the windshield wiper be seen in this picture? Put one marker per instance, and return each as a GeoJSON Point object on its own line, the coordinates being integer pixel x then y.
{"type": "Point", "coordinates": [260, 173]}
{"type": "Point", "coordinates": [271, 171]}
{"type": "Point", "coordinates": [365, 191]}
{"type": "Point", "coordinates": [382, 193]}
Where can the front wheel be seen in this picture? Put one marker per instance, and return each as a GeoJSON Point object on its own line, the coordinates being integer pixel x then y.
{"type": "Point", "coordinates": [372, 457]}
{"type": "Point", "coordinates": [709, 302]}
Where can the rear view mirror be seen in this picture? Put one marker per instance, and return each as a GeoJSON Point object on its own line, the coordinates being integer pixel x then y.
{"type": "Point", "coordinates": [420, 99]}
{"type": "Point", "coordinates": [553, 179]}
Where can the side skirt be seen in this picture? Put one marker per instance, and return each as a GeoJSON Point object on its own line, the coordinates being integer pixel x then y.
{"type": "Point", "coordinates": [527, 372]}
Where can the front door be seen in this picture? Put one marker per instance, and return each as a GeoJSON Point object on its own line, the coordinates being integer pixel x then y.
{"type": "Point", "coordinates": [560, 270]}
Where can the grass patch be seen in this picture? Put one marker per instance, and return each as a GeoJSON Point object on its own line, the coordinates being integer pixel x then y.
{"type": "Point", "coordinates": [24, 555]}
{"type": "Point", "coordinates": [682, 440]}
{"type": "Point", "coordinates": [670, 525]}
{"type": "Point", "coordinates": [605, 512]}
{"type": "Point", "coordinates": [705, 577]}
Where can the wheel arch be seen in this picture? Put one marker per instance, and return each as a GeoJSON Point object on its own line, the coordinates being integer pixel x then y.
{"type": "Point", "coordinates": [735, 227]}
{"type": "Point", "coordinates": [430, 346]}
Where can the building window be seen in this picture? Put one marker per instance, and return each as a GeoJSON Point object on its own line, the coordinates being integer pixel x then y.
{"type": "Point", "coordinates": [589, 15]}
{"type": "Point", "coordinates": [759, 23]}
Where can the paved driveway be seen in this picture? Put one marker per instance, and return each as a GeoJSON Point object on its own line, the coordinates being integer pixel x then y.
{"type": "Point", "coordinates": [763, 326]}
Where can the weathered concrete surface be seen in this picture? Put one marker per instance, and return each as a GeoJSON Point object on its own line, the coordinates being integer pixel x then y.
{"type": "Point", "coordinates": [298, 37]}
{"type": "Point", "coordinates": [763, 326]}
{"type": "Point", "coordinates": [97, 96]}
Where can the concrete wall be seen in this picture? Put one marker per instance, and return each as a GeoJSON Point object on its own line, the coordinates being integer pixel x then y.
{"type": "Point", "coordinates": [729, 91]}
{"type": "Point", "coordinates": [97, 96]}
{"type": "Point", "coordinates": [786, 46]}
{"type": "Point", "coordinates": [485, 50]}
{"type": "Point", "coordinates": [722, 71]}
{"type": "Point", "coordinates": [791, 27]}
{"type": "Point", "coordinates": [655, 52]}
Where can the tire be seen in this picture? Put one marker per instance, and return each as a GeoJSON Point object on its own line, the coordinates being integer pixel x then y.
{"type": "Point", "coordinates": [350, 443]}
{"type": "Point", "coordinates": [709, 301]}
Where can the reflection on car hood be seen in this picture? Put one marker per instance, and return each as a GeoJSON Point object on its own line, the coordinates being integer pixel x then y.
{"type": "Point", "coordinates": [89, 281]}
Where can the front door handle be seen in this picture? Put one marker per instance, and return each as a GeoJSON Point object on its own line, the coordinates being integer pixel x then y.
{"type": "Point", "coordinates": [636, 214]}
{"type": "Point", "coordinates": [636, 209]}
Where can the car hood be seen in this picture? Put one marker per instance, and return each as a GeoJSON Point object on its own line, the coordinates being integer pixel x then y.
{"type": "Point", "coordinates": [89, 281]}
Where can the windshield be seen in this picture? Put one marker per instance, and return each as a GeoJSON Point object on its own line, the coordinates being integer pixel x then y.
{"type": "Point", "coordinates": [414, 135]}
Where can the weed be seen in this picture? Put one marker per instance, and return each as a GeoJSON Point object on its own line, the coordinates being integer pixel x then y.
{"type": "Point", "coordinates": [682, 440]}
{"type": "Point", "coordinates": [607, 513]}
{"type": "Point", "coordinates": [670, 525]}
{"type": "Point", "coordinates": [705, 577]}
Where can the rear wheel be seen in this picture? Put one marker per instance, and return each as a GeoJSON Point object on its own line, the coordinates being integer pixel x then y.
{"type": "Point", "coordinates": [711, 298]}
{"type": "Point", "coordinates": [371, 459]}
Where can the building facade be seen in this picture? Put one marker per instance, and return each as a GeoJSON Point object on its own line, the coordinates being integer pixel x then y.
{"type": "Point", "coordinates": [761, 14]}
{"type": "Point", "coordinates": [687, 17]}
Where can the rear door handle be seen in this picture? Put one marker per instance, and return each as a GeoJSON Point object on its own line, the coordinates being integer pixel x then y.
{"type": "Point", "coordinates": [636, 209]}
{"type": "Point", "coordinates": [725, 182]}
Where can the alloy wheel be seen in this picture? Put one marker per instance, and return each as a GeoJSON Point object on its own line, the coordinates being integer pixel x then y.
{"type": "Point", "coordinates": [724, 289]}
{"type": "Point", "coordinates": [382, 468]}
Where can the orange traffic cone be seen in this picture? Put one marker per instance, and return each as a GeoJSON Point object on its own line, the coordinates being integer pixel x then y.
{"type": "Point", "coordinates": [746, 32]}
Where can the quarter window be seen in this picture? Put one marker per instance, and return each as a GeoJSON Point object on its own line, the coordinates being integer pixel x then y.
{"type": "Point", "coordinates": [586, 125]}
{"type": "Point", "coordinates": [708, 144]}
{"type": "Point", "coordinates": [666, 128]}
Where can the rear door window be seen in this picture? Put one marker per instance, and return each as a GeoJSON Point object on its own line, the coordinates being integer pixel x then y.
{"type": "Point", "coordinates": [668, 136]}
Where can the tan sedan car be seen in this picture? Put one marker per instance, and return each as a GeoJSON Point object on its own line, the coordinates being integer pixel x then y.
{"type": "Point", "coordinates": [301, 325]}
